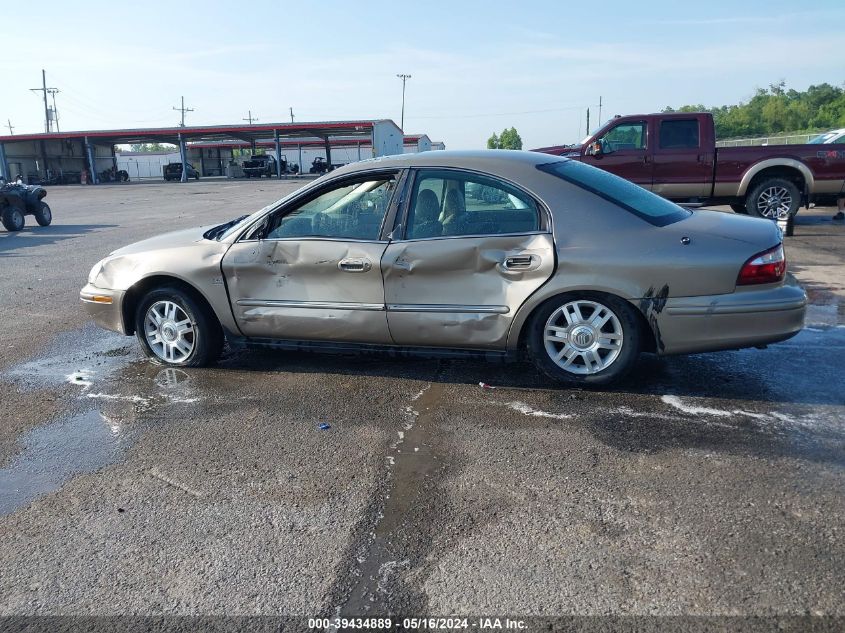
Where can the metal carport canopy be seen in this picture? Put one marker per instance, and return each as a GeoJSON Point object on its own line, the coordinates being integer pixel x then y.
{"type": "Point", "coordinates": [207, 133]}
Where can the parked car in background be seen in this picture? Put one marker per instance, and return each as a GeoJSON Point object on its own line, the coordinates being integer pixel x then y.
{"type": "Point", "coordinates": [829, 138]}
{"type": "Point", "coordinates": [173, 171]}
{"type": "Point", "coordinates": [261, 165]}
{"type": "Point", "coordinates": [675, 156]}
{"type": "Point", "coordinates": [573, 267]}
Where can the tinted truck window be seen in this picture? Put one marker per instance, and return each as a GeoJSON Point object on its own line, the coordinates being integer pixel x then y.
{"type": "Point", "coordinates": [679, 134]}
{"type": "Point", "coordinates": [641, 202]}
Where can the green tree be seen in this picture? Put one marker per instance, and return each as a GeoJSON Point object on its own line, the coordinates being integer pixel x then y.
{"type": "Point", "coordinates": [508, 139]}
{"type": "Point", "coordinates": [778, 109]}
{"type": "Point", "coordinates": [152, 147]}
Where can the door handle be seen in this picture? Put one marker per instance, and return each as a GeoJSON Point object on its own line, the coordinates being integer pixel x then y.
{"type": "Point", "coordinates": [354, 265]}
{"type": "Point", "coordinates": [518, 262]}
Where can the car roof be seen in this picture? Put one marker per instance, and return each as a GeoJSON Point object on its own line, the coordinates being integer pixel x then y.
{"type": "Point", "coordinates": [493, 160]}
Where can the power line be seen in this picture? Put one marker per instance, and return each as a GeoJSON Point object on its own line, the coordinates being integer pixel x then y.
{"type": "Point", "coordinates": [489, 114]}
{"type": "Point", "coordinates": [183, 110]}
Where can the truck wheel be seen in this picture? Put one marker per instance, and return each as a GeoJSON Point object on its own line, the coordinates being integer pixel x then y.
{"type": "Point", "coordinates": [44, 216]}
{"type": "Point", "coordinates": [774, 199]}
{"type": "Point", "coordinates": [739, 208]}
{"type": "Point", "coordinates": [13, 219]}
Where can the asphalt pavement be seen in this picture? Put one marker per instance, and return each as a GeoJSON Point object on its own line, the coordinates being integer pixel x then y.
{"type": "Point", "coordinates": [703, 485]}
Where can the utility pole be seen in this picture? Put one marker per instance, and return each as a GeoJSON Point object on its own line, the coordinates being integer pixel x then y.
{"type": "Point", "coordinates": [44, 89]}
{"type": "Point", "coordinates": [588, 121]}
{"type": "Point", "coordinates": [250, 118]}
{"type": "Point", "coordinates": [404, 78]}
{"type": "Point", "coordinates": [11, 128]}
{"type": "Point", "coordinates": [599, 111]}
{"type": "Point", "coordinates": [183, 110]}
{"type": "Point", "coordinates": [291, 114]}
{"type": "Point", "coordinates": [53, 92]}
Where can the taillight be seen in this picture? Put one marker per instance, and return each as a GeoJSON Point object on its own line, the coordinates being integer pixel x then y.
{"type": "Point", "coordinates": [764, 268]}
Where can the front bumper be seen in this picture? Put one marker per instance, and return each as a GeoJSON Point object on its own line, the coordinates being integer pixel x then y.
{"type": "Point", "coordinates": [104, 306]}
{"type": "Point", "coordinates": [741, 319]}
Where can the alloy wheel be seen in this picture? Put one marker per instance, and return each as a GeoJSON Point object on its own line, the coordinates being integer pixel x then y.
{"type": "Point", "coordinates": [774, 203]}
{"type": "Point", "coordinates": [583, 337]}
{"type": "Point", "coordinates": [169, 331]}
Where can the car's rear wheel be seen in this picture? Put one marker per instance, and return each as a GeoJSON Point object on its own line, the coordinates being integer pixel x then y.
{"type": "Point", "coordinates": [591, 340]}
{"type": "Point", "coordinates": [44, 216]}
{"type": "Point", "coordinates": [13, 219]}
{"type": "Point", "coordinates": [739, 208]}
{"type": "Point", "coordinates": [174, 328]}
{"type": "Point", "coordinates": [774, 199]}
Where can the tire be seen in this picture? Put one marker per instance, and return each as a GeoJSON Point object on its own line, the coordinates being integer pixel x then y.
{"type": "Point", "coordinates": [621, 319]}
{"type": "Point", "coordinates": [739, 208]}
{"type": "Point", "coordinates": [43, 216]}
{"type": "Point", "coordinates": [783, 197]}
{"type": "Point", "coordinates": [200, 346]}
{"type": "Point", "coordinates": [13, 219]}
{"type": "Point", "coordinates": [197, 176]}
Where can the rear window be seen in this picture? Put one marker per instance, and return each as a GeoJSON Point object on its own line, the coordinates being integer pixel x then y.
{"type": "Point", "coordinates": [679, 134]}
{"type": "Point", "coordinates": [641, 202]}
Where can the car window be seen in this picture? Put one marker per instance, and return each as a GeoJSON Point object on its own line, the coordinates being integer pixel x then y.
{"type": "Point", "coordinates": [353, 210]}
{"type": "Point", "coordinates": [633, 198]}
{"type": "Point", "coordinates": [624, 136]}
{"type": "Point", "coordinates": [450, 203]}
{"type": "Point", "coordinates": [679, 134]}
{"type": "Point", "coordinates": [827, 137]}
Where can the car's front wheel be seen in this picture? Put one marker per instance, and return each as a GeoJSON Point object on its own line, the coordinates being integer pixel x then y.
{"type": "Point", "coordinates": [591, 340]}
{"type": "Point", "coordinates": [176, 329]}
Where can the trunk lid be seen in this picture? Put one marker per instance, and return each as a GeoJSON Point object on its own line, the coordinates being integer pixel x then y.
{"type": "Point", "coordinates": [719, 245]}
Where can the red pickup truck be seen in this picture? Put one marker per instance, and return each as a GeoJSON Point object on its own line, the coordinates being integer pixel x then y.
{"type": "Point", "coordinates": [675, 155]}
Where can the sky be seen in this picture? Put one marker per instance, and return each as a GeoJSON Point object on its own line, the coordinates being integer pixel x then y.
{"type": "Point", "coordinates": [476, 67]}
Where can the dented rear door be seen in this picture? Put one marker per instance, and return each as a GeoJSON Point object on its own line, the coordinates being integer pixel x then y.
{"type": "Point", "coordinates": [458, 279]}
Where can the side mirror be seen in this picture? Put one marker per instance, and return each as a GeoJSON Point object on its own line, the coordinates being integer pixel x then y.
{"type": "Point", "coordinates": [595, 149]}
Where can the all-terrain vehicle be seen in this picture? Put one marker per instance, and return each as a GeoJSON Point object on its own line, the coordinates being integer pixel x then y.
{"type": "Point", "coordinates": [318, 166]}
{"type": "Point", "coordinates": [18, 201]}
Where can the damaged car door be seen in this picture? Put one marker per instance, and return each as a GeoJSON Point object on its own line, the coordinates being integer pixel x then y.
{"type": "Point", "coordinates": [310, 270]}
{"type": "Point", "coordinates": [472, 250]}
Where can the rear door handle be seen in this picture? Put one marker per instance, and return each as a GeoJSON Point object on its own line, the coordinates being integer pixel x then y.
{"type": "Point", "coordinates": [354, 265]}
{"type": "Point", "coordinates": [518, 262]}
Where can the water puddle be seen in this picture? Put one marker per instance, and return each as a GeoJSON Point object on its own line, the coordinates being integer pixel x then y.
{"type": "Point", "coordinates": [54, 453]}
{"type": "Point", "coordinates": [81, 357]}
{"type": "Point", "coordinates": [411, 465]}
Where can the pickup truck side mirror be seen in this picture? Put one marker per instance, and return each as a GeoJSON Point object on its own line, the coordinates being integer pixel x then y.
{"type": "Point", "coordinates": [594, 149]}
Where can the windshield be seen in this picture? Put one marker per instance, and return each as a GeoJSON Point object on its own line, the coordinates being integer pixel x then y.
{"type": "Point", "coordinates": [234, 226]}
{"type": "Point", "coordinates": [836, 136]}
{"type": "Point", "coordinates": [822, 138]}
{"type": "Point", "coordinates": [633, 198]}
